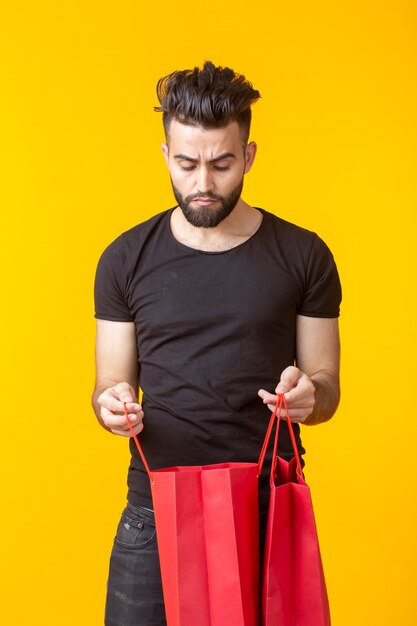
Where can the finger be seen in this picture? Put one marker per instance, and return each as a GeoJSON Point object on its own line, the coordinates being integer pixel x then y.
{"type": "Point", "coordinates": [302, 396]}
{"type": "Point", "coordinates": [295, 417]}
{"type": "Point", "coordinates": [114, 420]}
{"type": "Point", "coordinates": [132, 407]}
{"type": "Point", "coordinates": [267, 397]}
{"type": "Point", "coordinates": [298, 413]}
{"type": "Point", "coordinates": [125, 392]}
{"type": "Point", "coordinates": [110, 401]}
{"type": "Point", "coordinates": [288, 380]}
{"type": "Point", "coordinates": [127, 433]}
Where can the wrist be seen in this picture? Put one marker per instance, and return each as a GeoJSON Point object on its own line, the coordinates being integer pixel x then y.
{"type": "Point", "coordinates": [326, 398]}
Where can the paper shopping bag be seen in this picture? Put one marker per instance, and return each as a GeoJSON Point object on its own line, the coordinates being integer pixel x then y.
{"type": "Point", "coordinates": [206, 521]}
{"type": "Point", "coordinates": [294, 590]}
{"type": "Point", "coordinates": [207, 529]}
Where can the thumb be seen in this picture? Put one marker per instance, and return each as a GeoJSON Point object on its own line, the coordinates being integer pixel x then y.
{"type": "Point", "coordinates": [125, 392]}
{"type": "Point", "coordinates": [288, 379]}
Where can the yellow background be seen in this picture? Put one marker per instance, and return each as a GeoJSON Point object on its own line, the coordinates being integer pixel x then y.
{"type": "Point", "coordinates": [336, 129]}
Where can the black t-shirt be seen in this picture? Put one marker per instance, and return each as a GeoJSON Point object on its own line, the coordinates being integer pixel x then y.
{"type": "Point", "coordinates": [212, 328]}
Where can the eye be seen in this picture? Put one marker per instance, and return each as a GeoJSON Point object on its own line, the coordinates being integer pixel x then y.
{"type": "Point", "coordinates": [188, 168]}
{"type": "Point", "coordinates": [220, 168]}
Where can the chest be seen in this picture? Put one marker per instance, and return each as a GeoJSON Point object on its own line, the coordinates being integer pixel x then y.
{"type": "Point", "coordinates": [212, 291]}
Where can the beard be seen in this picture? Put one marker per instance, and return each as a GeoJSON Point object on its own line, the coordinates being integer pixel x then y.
{"type": "Point", "coordinates": [207, 217]}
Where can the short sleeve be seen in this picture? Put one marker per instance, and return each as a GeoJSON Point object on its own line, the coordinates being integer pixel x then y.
{"type": "Point", "coordinates": [110, 286]}
{"type": "Point", "coordinates": [323, 292]}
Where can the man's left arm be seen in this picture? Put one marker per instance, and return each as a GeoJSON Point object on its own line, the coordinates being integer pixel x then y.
{"type": "Point", "coordinates": [311, 388]}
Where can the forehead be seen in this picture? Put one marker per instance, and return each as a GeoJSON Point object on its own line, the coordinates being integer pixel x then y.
{"type": "Point", "coordinates": [185, 137]}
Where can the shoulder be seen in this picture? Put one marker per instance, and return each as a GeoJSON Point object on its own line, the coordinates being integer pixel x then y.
{"type": "Point", "coordinates": [307, 258]}
{"type": "Point", "coordinates": [140, 232]}
{"type": "Point", "coordinates": [282, 228]}
{"type": "Point", "coordinates": [130, 243]}
{"type": "Point", "coordinates": [291, 239]}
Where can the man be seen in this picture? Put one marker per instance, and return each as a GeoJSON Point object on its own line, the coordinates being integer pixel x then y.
{"type": "Point", "coordinates": [213, 307]}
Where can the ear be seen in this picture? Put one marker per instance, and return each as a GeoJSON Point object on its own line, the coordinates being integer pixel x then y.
{"type": "Point", "coordinates": [250, 154]}
{"type": "Point", "coordinates": [165, 151]}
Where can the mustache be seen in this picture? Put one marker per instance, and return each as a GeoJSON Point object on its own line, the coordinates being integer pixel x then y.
{"type": "Point", "coordinates": [203, 196]}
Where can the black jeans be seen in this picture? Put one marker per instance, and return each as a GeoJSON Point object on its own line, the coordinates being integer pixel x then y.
{"type": "Point", "coordinates": [134, 588]}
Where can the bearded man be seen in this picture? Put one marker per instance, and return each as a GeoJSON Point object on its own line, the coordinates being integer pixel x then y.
{"type": "Point", "coordinates": [212, 308]}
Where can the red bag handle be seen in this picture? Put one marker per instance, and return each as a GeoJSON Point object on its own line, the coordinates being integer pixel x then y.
{"type": "Point", "coordinates": [139, 447]}
{"type": "Point", "coordinates": [277, 412]}
{"type": "Point", "coordinates": [292, 437]}
{"type": "Point", "coordinates": [268, 433]}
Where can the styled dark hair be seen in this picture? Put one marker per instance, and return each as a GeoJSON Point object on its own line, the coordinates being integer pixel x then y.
{"type": "Point", "coordinates": [211, 97]}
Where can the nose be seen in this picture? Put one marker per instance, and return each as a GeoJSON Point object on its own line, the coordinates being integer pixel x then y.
{"type": "Point", "coordinates": [204, 180]}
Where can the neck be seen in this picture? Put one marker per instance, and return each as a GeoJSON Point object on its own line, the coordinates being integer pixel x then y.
{"type": "Point", "coordinates": [239, 226]}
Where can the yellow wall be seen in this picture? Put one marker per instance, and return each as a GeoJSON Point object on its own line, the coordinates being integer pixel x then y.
{"type": "Point", "coordinates": [336, 129]}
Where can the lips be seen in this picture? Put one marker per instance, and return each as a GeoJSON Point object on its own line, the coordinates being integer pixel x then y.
{"type": "Point", "coordinates": [204, 201]}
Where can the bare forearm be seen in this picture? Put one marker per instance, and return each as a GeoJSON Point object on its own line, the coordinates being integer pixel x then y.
{"type": "Point", "coordinates": [117, 378]}
{"type": "Point", "coordinates": [326, 397]}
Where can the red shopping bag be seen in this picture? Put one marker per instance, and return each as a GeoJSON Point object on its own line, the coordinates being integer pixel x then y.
{"type": "Point", "coordinates": [206, 521]}
{"type": "Point", "coordinates": [294, 590]}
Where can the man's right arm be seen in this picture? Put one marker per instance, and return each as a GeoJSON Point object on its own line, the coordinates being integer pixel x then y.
{"type": "Point", "coordinates": [117, 371]}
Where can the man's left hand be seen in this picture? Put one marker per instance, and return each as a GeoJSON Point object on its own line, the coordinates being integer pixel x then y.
{"type": "Point", "coordinates": [299, 393]}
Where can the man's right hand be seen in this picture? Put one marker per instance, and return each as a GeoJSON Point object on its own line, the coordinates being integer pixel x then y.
{"type": "Point", "coordinates": [112, 410]}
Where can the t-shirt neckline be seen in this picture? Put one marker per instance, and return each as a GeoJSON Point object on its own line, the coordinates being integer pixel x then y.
{"type": "Point", "coordinates": [214, 252]}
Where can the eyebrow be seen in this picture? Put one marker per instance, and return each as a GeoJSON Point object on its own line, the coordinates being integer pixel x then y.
{"type": "Point", "coordinates": [225, 155]}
